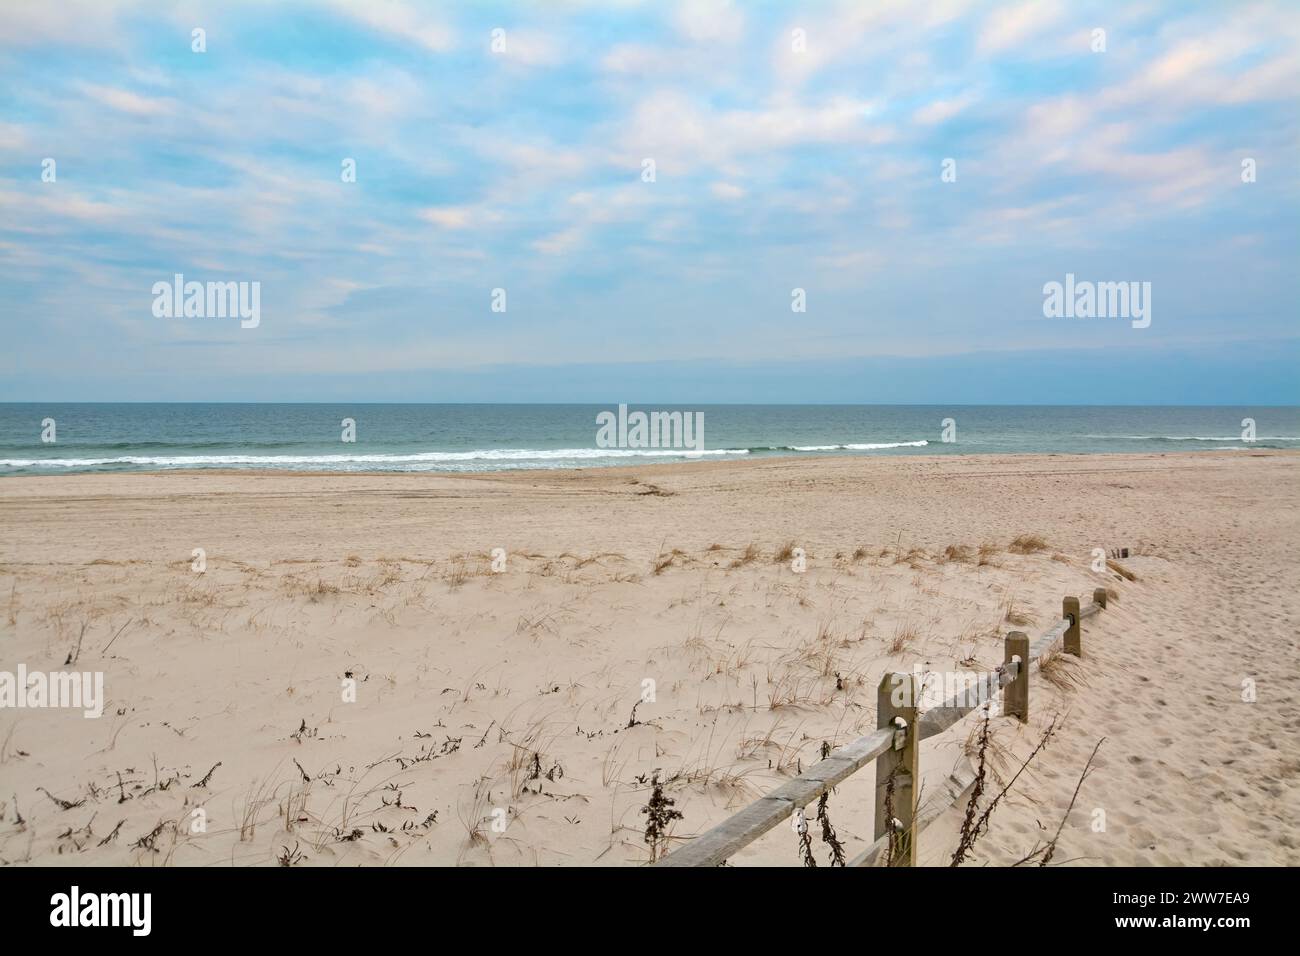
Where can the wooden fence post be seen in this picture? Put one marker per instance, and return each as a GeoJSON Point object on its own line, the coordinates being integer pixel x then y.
{"type": "Point", "coordinates": [1099, 598]}
{"type": "Point", "coordinates": [1073, 643]}
{"type": "Point", "coordinates": [897, 768]}
{"type": "Point", "coordinates": [1015, 696]}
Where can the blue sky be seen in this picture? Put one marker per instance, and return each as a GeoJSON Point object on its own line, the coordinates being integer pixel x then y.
{"type": "Point", "coordinates": [775, 168]}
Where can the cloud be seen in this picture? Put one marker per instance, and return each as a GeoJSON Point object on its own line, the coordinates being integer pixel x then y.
{"type": "Point", "coordinates": [585, 212]}
{"type": "Point", "coordinates": [680, 133]}
{"type": "Point", "coordinates": [638, 59]}
{"type": "Point", "coordinates": [1204, 70]}
{"type": "Point", "coordinates": [532, 48]}
{"type": "Point", "coordinates": [940, 111]}
{"type": "Point", "coordinates": [1009, 27]}
{"type": "Point", "coordinates": [34, 210]}
{"type": "Point", "coordinates": [80, 23]}
{"type": "Point", "coordinates": [560, 243]}
{"type": "Point", "coordinates": [389, 93]}
{"type": "Point", "coordinates": [124, 101]}
{"type": "Point", "coordinates": [399, 21]}
{"type": "Point", "coordinates": [12, 137]}
{"type": "Point", "coordinates": [857, 32]}
{"type": "Point", "coordinates": [708, 21]}
{"type": "Point", "coordinates": [448, 217]}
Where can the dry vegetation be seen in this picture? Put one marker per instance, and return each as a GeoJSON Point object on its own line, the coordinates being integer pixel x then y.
{"type": "Point", "coordinates": [540, 741]}
{"type": "Point", "coordinates": [1027, 544]}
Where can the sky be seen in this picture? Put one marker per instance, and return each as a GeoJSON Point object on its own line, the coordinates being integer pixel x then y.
{"type": "Point", "coordinates": [919, 170]}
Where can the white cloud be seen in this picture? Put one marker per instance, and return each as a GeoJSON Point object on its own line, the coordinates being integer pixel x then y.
{"type": "Point", "coordinates": [637, 59]}
{"type": "Point", "coordinates": [709, 21]}
{"type": "Point", "coordinates": [532, 48]}
{"type": "Point", "coordinates": [12, 137]}
{"type": "Point", "coordinates": [1012, 26]}
{"type": "Point", "coordinates": [855, 31]}
{"type": "Point", "coordinates": [390, 93]}
{"type": "Point", "coordinates": [32, 211]}
{"type": "Point", "coordinates": [401, 21]}
{"type": "Point", "coordinates": [78, 22]}
{"type": "Point", "coordinates": [941, 110]}
{"type": "Point", "coordinates": [679, 132]}
{"type": "Point", "coordinates": [559, 243]}
{"type": "Point", "coordinates": [1201, 69]}
{"type": "Point", "coordinates": [449, 217]}
{"type": "Point", "coordinates": [587, 210]}
{"type": "Point", "coordinates": [531, 163]}
{"type": "Point", "coordinates": [124, 101]}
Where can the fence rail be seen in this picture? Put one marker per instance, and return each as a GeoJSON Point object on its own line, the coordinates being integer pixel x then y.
{"type": "Point", "coordinates": [894, 747]}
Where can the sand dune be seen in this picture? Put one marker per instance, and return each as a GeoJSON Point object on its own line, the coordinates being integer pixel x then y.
{"type": "Point", "coordinates": [496, 716]}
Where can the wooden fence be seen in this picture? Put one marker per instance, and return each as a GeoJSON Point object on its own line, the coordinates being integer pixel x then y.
{"type": "Point", "coordinates": [895, 749]}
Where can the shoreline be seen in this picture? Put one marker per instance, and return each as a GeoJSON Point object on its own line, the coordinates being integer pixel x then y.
{"type": "Point", "coordinates": [725, 463]}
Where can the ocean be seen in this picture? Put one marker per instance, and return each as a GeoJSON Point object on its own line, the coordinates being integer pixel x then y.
{"type": "Point", "coordinates": [472, 438]}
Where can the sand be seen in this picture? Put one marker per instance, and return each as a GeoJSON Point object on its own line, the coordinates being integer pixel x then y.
{"type": "Point", "coordinates": [491, 717]}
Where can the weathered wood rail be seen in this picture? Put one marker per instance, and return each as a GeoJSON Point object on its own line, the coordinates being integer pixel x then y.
{"type": "Point", "coordinates": [895, 749]}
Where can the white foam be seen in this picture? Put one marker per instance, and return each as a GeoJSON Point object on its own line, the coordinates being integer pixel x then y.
{"type": "Point", "coordinates": [485, 454]}
{"type": "Point", "coordinates": [862, 447]}
{"type": "Point", "coordinates": [895, 444]}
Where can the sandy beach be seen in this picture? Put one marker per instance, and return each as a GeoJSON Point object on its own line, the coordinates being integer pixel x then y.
{"type": "Point", "coordinates": [499, 715]}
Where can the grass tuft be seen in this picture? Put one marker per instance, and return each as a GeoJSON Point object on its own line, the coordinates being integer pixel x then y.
{"type": "Point", "coordinates": [1027, 544]}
